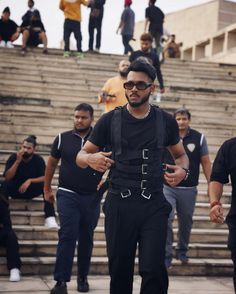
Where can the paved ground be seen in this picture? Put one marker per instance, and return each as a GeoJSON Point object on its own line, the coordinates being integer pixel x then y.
{"type": "Point", "coordinates": [100, 285]}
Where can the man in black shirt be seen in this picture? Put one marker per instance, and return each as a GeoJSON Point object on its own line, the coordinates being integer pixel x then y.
{"type": "Point", "coordinates": [95, 22]}
{"type": "Point", "coordinates": [24, 176]}
{"type": "Point", "coordinates": [136, 210]}
{"type": "Point", "coordinates": [147, 53]}
{"type": "Point", "coordinates": [78, 201]}
{"type": "Point", "coordinates": [34, 33]}
{"type": "Point", "coordinates": [155, 19]}
{"type": "Point", "coordinates": [9, 30]}
{"type": "Point", "coordinates": [224, 166]}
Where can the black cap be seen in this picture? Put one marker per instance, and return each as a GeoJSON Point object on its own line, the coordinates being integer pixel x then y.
{"type": "Point", "coordinates": [6, 10]}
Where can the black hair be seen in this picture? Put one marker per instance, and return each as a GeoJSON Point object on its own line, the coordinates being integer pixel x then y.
{"type": "Point", "coordinates": [36, 14]}
{"type": "Point", "coordinates": [153, 1]}
{"type": "Point", "coordinates": [143, 66]}
{"type": "Point", "coordinates": [182, 111]}
{"type": "Point", "coordinates": [6, 10]}
{"type": "Point", "coordinates": [31, 139]}
{"type": "Point", "coordinates": [85, 107]}
{"type": "Point", "coordinates": [146, 37]}
{"type": "Point", "coordinates": [32, 1]}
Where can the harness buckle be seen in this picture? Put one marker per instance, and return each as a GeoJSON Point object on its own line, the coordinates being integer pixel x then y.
{"type": "Point", "coordinates": [144, 169]}
{"type": "Point", "coordinates": [143, 184]}
{"type": "Point", "coordinates": [145, 153]}
{"type": "Point", "coordinates": [146, 196]}
{"type": "Point", "coordinates": [126, 193]}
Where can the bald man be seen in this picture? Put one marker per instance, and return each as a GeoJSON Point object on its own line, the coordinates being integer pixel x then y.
{"type": "Point", "coordinates": [113, 92]}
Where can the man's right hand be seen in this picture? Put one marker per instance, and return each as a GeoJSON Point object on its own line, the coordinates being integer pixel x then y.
{"type": "Point", "coordinates": [100, 161]}
{"type": "Point", "coordinates": [49, 196]}
{"type": "Point", "coordinates": [19, 155]}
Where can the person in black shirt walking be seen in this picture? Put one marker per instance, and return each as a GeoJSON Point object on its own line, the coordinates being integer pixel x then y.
{"type": "Point", "coordinates": [154, 20]}
{"type": "Point", "coordinates": [147, 53]}
{"type": "Point", "coordinates": [224, 166]}
{"type": "Point", "coordinates": [78, 201]}
{"type": "Point", "coordinates": [136, 211]}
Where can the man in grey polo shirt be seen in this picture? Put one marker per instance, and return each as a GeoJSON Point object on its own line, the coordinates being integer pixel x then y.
{"type": "Point", "coordinates": [183, 196]}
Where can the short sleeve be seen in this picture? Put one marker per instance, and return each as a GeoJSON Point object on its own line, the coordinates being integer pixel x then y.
{"type": "Point", "coordinates": [172, 130]}
{"type": "Point", "coordinates": [219, 170]}
{"type": "Point", "coordinates": [40, 166]}
{"type": "Point", "coordinates": [147, 13]}
{"type": "Point", "coordinates": [55, 150]}
{"type": "Point", "coordinates": [9, 163]}
{"type": "Point", "coordinates": [124, 15]}
{"type": "Point", "coordinates": [100, 135]}
{"type": "Point", "coordinates": [203, 146]}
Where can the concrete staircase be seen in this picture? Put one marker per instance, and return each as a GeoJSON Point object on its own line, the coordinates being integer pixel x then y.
{"type": "Point", "coordinates": [37, 96]}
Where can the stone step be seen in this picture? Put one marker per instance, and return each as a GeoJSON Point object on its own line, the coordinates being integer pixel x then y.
{"type": "Point", "coordinates": [41, 248]}
{"type": "Point", "coordinates": [195, 267]}
{"type": "Point", "coordinates": [28, 232]}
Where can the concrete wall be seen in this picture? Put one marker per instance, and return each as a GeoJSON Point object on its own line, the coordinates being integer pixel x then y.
{"type": "Point", "coordinates": [196, 23]}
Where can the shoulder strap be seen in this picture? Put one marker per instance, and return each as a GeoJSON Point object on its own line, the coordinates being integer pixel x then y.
{"type": "Point", "coordinates": [116, 131]}
{"type": "Point", "coordinates": [159, 127]}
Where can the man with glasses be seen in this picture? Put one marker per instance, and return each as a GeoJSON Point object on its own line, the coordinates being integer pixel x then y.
{"type": "Point", "coordinates": [136, 211]}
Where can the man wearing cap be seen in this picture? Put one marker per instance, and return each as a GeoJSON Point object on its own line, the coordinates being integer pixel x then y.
{"type": "Point", "coordinates": [182, 197]}
{"type": "Point", "coordinates": [9, 30]}
{"type": "Point", "coordinates": [126, 26]}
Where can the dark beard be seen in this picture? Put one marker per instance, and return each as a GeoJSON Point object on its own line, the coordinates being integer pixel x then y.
{"type": "Point", "coordinates": [26, 155]}
{"type": "Point", "coordinates": [123, 73]}
{"type": "Point", "coordinates": [137, 104]}
{"type": "Point", "coordinates": [81, 131]}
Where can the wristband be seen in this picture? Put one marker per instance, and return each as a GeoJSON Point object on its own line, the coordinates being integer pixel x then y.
{"type": "Point", "coordinates": [214, 203]}
{"type": "Point", "coordinates": [187, 173]}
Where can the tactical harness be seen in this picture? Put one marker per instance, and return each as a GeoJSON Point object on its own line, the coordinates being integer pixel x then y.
{"type": "Point", "coordinates": [136, 169]}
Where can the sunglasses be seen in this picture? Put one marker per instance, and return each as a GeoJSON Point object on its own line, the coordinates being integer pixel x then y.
{"type": "Point", "coordinates": [139, 85]}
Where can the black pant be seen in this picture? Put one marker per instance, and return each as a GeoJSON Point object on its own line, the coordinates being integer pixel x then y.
{"type": "Point", "coordinates": [72, 26]}
{"type": "Point", "coordinates": [131, 221]}
{"type": "Point", "coordinates": [95, 23]}
{"type": "Point", "coordinates": [232, 247]}
{"type": "Point", "coordinates": [11, 189]}
{"type": "Point", "coordinates": [126, 39]}
{"type": "Point", "coordinates": [9, 241]}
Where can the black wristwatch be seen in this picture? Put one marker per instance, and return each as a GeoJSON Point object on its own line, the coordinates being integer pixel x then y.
{"type": "Point", "coordinates": [187, 173]}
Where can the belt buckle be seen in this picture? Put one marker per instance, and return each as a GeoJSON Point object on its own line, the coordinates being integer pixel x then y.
{"type": "Point", "coordinates": [146, 196]}
{"type": "Point", "coordinates": [145, 153]}
{"type": "Point", "coordinates": [144, 169]}
{"type": "Point", "coordinates": [126, 193]}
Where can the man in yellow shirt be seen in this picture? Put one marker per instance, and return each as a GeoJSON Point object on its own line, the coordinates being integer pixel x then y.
{"type": "Point", "coordinates": [113, 92]}
{"type": "Point", "coordinates": [72, 12]}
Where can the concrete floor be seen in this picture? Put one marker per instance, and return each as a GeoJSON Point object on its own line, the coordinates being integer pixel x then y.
{"type": "Point", "coordinates": [100, 285]}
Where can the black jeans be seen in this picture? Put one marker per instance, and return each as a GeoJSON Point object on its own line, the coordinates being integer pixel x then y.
{"type": "Point", "coordinates": [95, 23]}
{"type": "Point", "coordinates": [131, 221]}
{"type": "Point", "coordinates": [78, 216]}
{"type": "Point", "coordinates": [11, 189]}
{"type": "Point", "coordinates": [126, 39]}
{"type": "Point", "coordinates": [9, 241]}
{"type": "Point", "coordinates": [72, 26]}
{"type": "Point", "coordinates": [232, 247]}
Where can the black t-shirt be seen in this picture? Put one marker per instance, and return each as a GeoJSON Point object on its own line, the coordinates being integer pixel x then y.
{"type": "Point", "coordinates": [33, 169]}
{"type": "Point", "coordinates": [8, 28]}
{"type": "Point", "coordinates": [80, 180]}
{"type": "Point", "coordinates": [156, 18]}
{"type": "Point", "coordinates": [137, 134]}
{"type": "Point", "coordinates": [35, 26]}
{"type": "Point", "coordinates": [153, 59]}
{"type": "Point", "coordinates": [224, 166]}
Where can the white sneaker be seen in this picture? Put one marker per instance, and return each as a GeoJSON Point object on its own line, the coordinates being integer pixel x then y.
{"type": "Point", "coordinates": [50, 223]}
{"type": "Point", "coordinates": [14, 275]}
{"type": "Point", "coordinates": [2, 44]}
{"type": "Point", "coordinates": [9, 44]}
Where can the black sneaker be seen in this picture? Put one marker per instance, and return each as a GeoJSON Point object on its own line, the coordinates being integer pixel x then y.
{"type": "Point", "coordinates": [82, 285]}
{"type": "Point", "coordinates": [59, 288]}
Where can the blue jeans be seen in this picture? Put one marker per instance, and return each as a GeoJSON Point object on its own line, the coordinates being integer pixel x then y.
{"type": "Point", "coordinates": [78, 215]}
{"type": "Point", "coordinates": [183, 201]}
